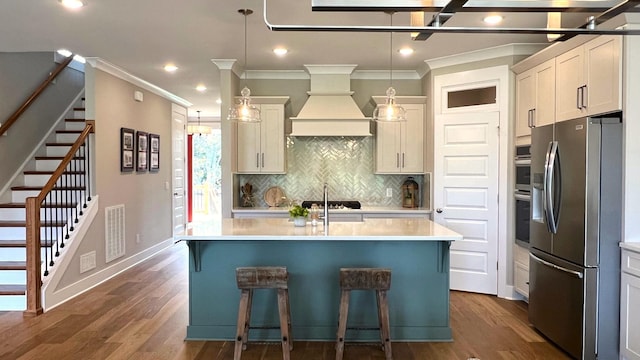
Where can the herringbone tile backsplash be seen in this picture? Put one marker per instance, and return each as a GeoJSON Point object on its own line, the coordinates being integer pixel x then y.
{"type": "Point", "coordinates": [344, 163]}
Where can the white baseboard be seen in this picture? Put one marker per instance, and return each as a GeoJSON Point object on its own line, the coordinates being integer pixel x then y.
{"type": "Point", "coordinates": [51, 299]}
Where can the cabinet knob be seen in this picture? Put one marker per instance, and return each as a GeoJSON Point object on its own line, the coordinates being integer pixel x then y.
{"type": "Point", "coordinates": [439, 210]}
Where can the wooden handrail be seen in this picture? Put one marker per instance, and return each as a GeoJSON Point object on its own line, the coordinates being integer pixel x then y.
{"type": "Point", "coordinates": [12, 119]}
{"type": "Point", "coordinates": [34, 270]}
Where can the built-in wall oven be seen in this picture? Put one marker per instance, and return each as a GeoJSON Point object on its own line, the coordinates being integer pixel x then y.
{"type": "Point", "coordinates": [522, 194]}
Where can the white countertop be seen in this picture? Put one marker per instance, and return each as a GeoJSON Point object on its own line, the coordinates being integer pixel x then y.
{"type": "Point", "coordinates": [406, 229]}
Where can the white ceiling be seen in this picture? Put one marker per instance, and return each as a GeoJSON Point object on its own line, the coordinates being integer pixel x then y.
{"type": "Point", "coordinates": [140, 36]}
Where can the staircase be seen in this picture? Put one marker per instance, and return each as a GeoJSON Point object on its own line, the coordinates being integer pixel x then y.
{"type": "Point", "coordinates": [54, 214]}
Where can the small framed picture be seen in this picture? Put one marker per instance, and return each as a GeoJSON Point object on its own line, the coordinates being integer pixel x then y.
{"type": "Point", "coordinates": [154, 152]}
{"type": "Point", "coordinates": [142, 151]}
{"type": "Point", "coordinates": [126, 149]}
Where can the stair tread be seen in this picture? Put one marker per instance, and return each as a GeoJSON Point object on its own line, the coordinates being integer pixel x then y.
{"type": "Point", "coordinates": [78, 108]}
{"type": "Point", "coordinates": [13, 265]}
{"type": "Point", "coordinates": [13, 289]}
{"type": "Point", "coordinates": [36, 172]}
{"type": "Point", "coordinates": [19, 223]}
{"type": "Point", "coordinates": [75, 120]}
{"type": "Point", "coordinates": [23, 205]}
{"type": "Point", "coordinates": [31, 188]}
{"type": "Point", "coordinates": [59, 144]}
{"type": "Point", "coordinates": [56, 157]}
{"type": "Point", "coordinates": [68, 131]}
{"type": "Point", "coordinates": [20, 243]}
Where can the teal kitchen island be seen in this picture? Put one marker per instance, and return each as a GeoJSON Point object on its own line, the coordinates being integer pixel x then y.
{"type": "Point", "coordinates": [416, 250]}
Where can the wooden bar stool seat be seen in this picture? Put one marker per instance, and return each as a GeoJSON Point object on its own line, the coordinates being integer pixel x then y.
{"type": "Point", "coordinates": [267, 277]}
{"type": "Point", "coordinates": [365, 279]}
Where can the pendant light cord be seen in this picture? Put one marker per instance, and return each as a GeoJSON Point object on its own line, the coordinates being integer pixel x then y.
{"type": "Point", "coordinates": [391, 51]}
{"type": "Point", "coordinates": [245, 48]}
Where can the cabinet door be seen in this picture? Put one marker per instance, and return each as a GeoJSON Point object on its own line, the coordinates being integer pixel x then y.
{"type": "Point", "coordinates": [545, 107]}
{"type": "Point", "coordinates": [248, 148]}
{"type": "Point", "coordinates": [387, 148]}
{"type": "Point", "coordinates": [570, 76]}
{"type": "Point", "coordinates": [412, 140]}
{"type": "Point", "coordinates": [525, 100]}
{"type": "Point", "coordinates": [272, 146]}
{"type": "Point", "coordinates": [630, 313]}
{"type": "Point", "coordinates": [602, 56]}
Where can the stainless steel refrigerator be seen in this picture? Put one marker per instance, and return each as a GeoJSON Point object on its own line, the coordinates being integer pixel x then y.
{"type": "Point", "coordinates": [575, 228]}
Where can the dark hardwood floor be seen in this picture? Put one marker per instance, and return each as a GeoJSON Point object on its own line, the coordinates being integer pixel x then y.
{"type": "Point", "coordinates": [143, 314]}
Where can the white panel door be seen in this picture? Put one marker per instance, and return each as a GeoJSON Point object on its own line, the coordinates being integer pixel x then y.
{"type": "Point", "coordinates": [466, 201]}
{"type": "Point", "coordinates": [178, 152]}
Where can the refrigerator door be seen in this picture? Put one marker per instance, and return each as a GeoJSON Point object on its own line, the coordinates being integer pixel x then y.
{"type": "Point", "coordinates": [569, 241]}
{"type": "Point", "coordinates": [562, 303]}
{"type": "Point", "coordinates": [539, 235]}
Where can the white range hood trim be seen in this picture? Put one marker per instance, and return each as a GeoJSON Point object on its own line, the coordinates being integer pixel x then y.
{"type": "Point", "coordinates": [330, 110]}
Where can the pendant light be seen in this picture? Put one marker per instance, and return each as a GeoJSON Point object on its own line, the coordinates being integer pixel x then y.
{"type": "Point", "coordinates": [243, 111]}
{"type": "Point", "coordinates": [198, 129]}
{"type": "Point", "coordinates": [390, 111]}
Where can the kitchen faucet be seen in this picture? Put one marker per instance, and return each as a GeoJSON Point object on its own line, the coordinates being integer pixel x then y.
{"type": "Point", "coordinates": [326, 207]}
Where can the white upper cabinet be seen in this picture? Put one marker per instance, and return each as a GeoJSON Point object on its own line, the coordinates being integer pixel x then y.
{"type": "Point", "coordinates": [535, 97]}
{"type": "Point", "coordinates": [588, 79]}
{"type": "Point", "coordinates": [399, 147]}
{"type": "Point", "coordinates": [261, 146]}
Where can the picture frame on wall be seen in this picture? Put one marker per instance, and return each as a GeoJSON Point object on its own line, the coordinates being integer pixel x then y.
{"type": "Point", "coordinates": [127, 143]}
{"type": "Point", "coordinates": [154, 152]}
{"type": "Point", "coordinates": [142, 154]}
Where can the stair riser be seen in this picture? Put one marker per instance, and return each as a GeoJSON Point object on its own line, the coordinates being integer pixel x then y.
{"type": "Point", "coordinates": [74, 125]}
{"type": "Point", "coordinates": [58, 150]}
{"type": "Point", "coordinates": [66, 138]}
{"type": "Point", "coordinates": [20, 233]}
{"type": "Point", "coordinates": [17, 254]}
{"type": "Point", "coordinates": [13, 277]}
{"type": "Point", "coordinates": [22, 195]}
{"type": "Point", "coordinates": [13, 303]}
{"type": "Point", "coordinates": [51, 165]}
{"type": "Point", "coordinates": [78, 114]}
{"type": "Point", "coordinates": [41, 180]}
{"type": "Point", "coordinates": [20, 214]}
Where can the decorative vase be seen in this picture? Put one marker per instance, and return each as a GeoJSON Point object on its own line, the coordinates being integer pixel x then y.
{"type": "Point", "coordinates": [299, 221]}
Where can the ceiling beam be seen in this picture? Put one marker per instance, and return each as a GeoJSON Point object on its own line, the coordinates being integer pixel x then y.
{"type": "Point", "coordinates": [622, 7]}
{"type": "Point", "coordinates": [442, 17]}
{"type": "Point", "coordinates": [471, 6]}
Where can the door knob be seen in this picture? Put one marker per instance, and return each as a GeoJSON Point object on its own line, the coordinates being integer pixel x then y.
{"type": "Point", "coordinates": [439, 210]}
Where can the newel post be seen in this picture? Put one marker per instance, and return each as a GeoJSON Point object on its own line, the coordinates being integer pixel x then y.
{"type": "Point", "coordinates": [34, 272]}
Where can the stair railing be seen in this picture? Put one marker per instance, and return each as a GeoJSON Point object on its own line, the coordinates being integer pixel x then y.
{"type": "Point", "coordinates": [36, 93]}
{"type": "Point", "coordinates": [52, 215]}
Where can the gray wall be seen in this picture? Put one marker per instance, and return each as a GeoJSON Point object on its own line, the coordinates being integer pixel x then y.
{"type": "Point", "coordinates": [20, 75]}
{"type": "Point", "coordinates": [147, 201]}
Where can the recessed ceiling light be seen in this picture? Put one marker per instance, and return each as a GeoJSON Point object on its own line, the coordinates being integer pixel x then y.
{"type": "Point", "coordinates": [170, 68]}
{"type": "Point", "coordinates": [218, 101]}
{"type": "Point", "coordinates": [280, 51]}
{"type": "Point", "coordinates": [72, 4]}
{"type": "Point", "coordinates": [79, 59]}
{"type": "Point", "coordinates": [406, 51]}
{"type": "Point", "coordinates": [493, 19]}
{"type": "Point", "coordinates": [201, 88]}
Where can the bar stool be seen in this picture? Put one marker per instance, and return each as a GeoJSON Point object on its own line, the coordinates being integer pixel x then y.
{"type": "Point", "coordinates": [365, 279]}
{"type": "Point", "coordinates": [250, 278]}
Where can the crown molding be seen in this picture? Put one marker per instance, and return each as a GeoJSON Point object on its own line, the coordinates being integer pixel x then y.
{"type": "Point", "coordinates": [109, 68]}
{"type": "Point", "coordinates": [485, 54]}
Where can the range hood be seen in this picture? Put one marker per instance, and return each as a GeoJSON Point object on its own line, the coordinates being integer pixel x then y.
{"type": "Point", "coordinates": [330, 109]}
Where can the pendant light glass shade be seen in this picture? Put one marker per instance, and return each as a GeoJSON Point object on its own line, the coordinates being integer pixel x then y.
{"type": "Point", "coordinates": [390, 111]}
{"type": "Point", "coordinates": [244, 111]}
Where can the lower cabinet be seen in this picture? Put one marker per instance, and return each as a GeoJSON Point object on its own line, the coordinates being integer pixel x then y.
{"type": "Point", "coordinates": [630, 306]}
{"type": "Point", "coordinates": [521, 270]}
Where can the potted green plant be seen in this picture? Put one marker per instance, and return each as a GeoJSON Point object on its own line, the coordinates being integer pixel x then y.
{"type": "Point", "coordinates": [299, 215]}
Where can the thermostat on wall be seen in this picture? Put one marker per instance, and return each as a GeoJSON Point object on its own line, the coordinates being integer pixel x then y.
{"type": "Point", "coordinates": [137, 96]}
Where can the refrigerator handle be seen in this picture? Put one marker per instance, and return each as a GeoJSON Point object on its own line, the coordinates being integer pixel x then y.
{"type": "Point", "coordinates": [551, 188]}
{"type": "Point", "coordinates": [544, 262]}
{"type": "Point", "coordinates": [545, 187]}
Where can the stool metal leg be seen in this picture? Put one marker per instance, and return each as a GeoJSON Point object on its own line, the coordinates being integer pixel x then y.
{"type": "Point", "coordinates": [342, 323]}
{"type": "Point", "coordinates": [384, 322]}
{"type": "Point", "coordinates": [242, 323]}
{"type": "Point", "coordinates": [284, 323]}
